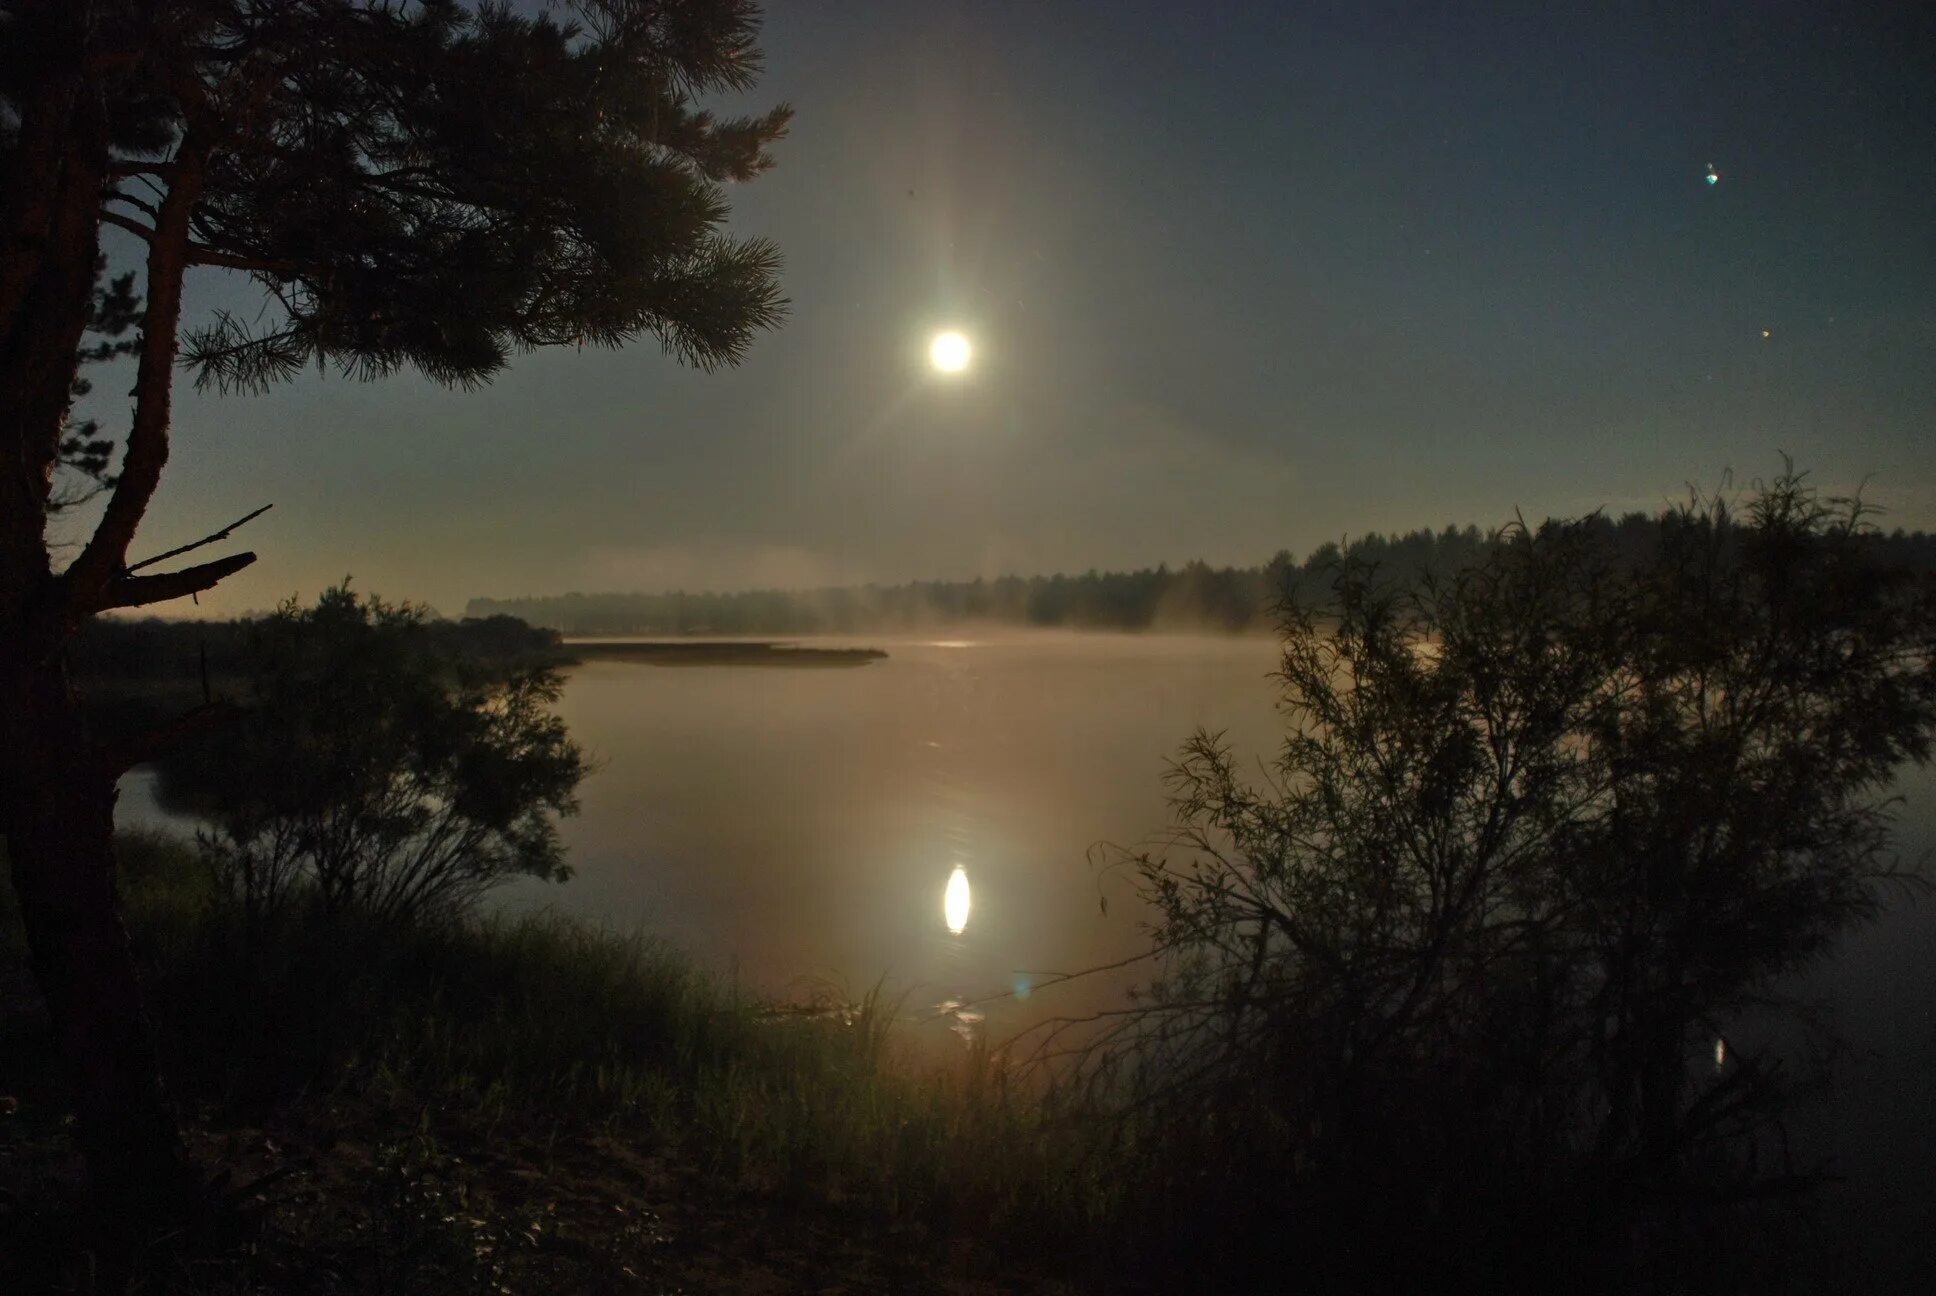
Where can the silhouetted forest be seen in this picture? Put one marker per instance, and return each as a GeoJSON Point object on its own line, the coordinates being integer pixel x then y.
{"type": "Point", "coordinates": [139, 673]}
{"type": "Point", "coordinates": [1194, 596]}
{"type": "Point", "coordinates": [153, 650]}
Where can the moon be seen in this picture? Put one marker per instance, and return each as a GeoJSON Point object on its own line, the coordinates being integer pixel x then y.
{"type": "Point", "coordinates": [949, 352]}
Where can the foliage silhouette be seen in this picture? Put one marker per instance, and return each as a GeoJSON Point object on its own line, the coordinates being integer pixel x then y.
{"type": "Point", "coordinates": [420, 183]}
{"type": "Point", "coordinates": [375, 768]}
{"type": "Point", "coordinates": [1537, 838]}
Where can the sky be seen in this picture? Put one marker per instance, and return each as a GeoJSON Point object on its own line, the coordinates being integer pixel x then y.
{"type": "Point", "coordinates": [1238, 277]}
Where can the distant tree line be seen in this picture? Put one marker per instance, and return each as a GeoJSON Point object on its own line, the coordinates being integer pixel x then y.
{"type": "Point", "coordinates": [136, 674]}
{"type": "Point", "coordinates": [1195, 596]}
{"type": "Point", "coordinates": [150, 650]}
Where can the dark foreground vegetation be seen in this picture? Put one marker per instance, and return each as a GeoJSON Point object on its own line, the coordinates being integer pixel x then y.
{"type": "Point", "coordinates": [1476, 961]}
{"type": "Point", "coordinates": [531, 1106]}
{"type": "Point", "coordinates": [434, 185]}
{"type": "Point", "coordinates": [1437, 1002]}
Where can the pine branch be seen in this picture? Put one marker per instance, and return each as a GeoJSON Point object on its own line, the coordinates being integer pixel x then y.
{"type": "Point", "coordinates": [202, 255]}
{"type": "Point", "coordinates": [136, 167]}
{"type": "Point", "coordinates": [130, 224]}
{"type": "Point", "coordinates": [140, 204]}
{"type": "Point", "coordinates": [87, 579]}
{"type": "Point", "coordinates": [226, 357]}
{"type": "Point", "coordinates": [140, 591]}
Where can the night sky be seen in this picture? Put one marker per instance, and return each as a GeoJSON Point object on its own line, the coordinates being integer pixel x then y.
{"type": "Point", "coordinates": [1239, 277]}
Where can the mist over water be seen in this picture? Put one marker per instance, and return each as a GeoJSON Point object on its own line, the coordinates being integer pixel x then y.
{"type": "Point", "coordinates": [801, 823]}
{"type": "Point", "coordinates": [793, 825]}
{"type": "Point", "coordinates": [796, 823]}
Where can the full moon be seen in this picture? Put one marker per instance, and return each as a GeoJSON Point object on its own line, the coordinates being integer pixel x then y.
{"type": "Point", "coordinates": [949, 352]}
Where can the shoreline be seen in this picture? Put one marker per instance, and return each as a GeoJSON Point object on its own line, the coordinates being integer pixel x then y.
{"type": "Point", "coordinates": [716, 652]}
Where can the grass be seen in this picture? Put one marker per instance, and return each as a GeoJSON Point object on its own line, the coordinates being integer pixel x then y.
{"type": "Point", "coordinates": [532, 1105]}
{"type": "Point", "coordinates": [519, 1047]}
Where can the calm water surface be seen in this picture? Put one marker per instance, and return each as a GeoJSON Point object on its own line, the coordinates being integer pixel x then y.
{"type": "Point", "coordinates": [793, 824]}
{"type": "Point", "coordinates": [799, 823]}
{"type": "Point", "coordinates": [807, 822]}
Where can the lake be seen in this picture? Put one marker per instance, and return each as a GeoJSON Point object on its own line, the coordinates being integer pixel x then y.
{"type": "Point", "coordinates": [796, 824]}
{"type": "Point", "coordinates": [802, 825]}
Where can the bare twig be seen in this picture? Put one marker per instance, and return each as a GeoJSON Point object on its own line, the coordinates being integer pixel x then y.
{"type": "Point", "coordinates": [211, 538]}
{"type": "Point", "coordinates": [1053, 979]}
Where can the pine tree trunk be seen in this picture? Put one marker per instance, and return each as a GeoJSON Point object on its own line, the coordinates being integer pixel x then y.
{"type": "Point", "coordinates": [56, 786]}
{"type": "Point", "coordinates": [1663, 1085]}
{"type": "Point", "coordinates": [59, 822]}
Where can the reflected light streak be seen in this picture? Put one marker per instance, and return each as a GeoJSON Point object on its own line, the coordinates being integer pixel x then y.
{"type": "Point", "coordinates": [955, 901]}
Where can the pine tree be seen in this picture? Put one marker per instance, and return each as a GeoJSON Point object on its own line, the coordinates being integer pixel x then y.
{"type": "Point", "coordinates": [412, 183]}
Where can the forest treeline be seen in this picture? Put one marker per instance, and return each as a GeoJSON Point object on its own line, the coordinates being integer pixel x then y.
{"type": "Point", "coordinates": [135, 674]}
{"type": "Point", "coordinates": [1194, 596]}
{"type": "Point", "coordinates": [148, 650]}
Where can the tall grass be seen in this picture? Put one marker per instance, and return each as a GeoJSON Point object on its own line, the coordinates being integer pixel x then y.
{"type": "Point", "coordinates": [539, 1028]}
{"type": "Point", "coordinates": [541, 1025]}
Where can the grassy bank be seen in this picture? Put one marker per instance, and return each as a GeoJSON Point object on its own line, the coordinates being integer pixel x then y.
{"type": "Point", "coordinates": [452, 1109]}
{"type": "Point", "coordinates": [531, 1105]}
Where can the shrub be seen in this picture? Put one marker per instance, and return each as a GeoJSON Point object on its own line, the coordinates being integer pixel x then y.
{"type": "Point", "coordinates": [1466, 967]}
{"type": "Point", "coordinates": [378, 766]}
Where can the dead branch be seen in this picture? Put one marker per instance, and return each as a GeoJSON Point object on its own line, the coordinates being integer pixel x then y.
{"type": "Point", "coordinates": [211, 538]}
{"type": "Point", "coordinates": [140, 591]}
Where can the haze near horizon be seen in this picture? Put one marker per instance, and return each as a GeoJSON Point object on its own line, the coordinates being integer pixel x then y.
{"type": "Point", "coordinates": [1233, 281]}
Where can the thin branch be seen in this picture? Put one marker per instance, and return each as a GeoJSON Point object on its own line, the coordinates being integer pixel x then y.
{"type": "Point", "coordinates": [201, 254]}
{"type": "Point", "coordinates": [116, 195]}
{"type": "Point", "coordinates": [1053, 979]}
{"type": "Point", "coordinates": [136, 167]}
{"type": "Point", "coordinates": [140, 591]}
{"type": "Point", "coordinates": [205, 358]}
{"type": "Point", "coordinates": [130, 224]}
{"type": "Point", "coordinates": [223, 534]}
